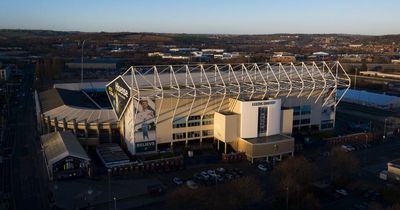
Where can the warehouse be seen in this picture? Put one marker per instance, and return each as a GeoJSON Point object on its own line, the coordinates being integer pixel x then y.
{"type": "Point", "coordinates": [375, 100]}
{"type": "Point", "coordinates": [251, 108]}
{"type": "Point", "coordinates": [64, 156]}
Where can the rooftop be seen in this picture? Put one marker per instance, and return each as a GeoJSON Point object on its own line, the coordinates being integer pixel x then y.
{"type": "Point", "coordinates": [111, 154]}
{"type": "Point", "coordinates": [59, 145]}
{"type": "Point", "coordinates": [269, 139]}
{"type": "Point", "coordinates": [249, 81]}
{"type": "Point", "coordinates": [74, 105]}
{"type": "Point", "coordinates": [56, 97]}
{"type": "Point", "coordinates": [368, 97]}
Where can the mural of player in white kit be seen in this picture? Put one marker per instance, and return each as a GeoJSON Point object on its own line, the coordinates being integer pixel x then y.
{"type": "Point", "coordinates": [145, 121]}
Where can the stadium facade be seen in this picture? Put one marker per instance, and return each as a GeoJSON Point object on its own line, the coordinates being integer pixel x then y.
{"type": "Point", "coordinates": [250, 108]}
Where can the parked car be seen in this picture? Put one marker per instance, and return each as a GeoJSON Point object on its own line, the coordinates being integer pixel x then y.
{"type": "Point", "coordinates": [228, 176]}
{"type": "Point", "coordinates": [262, 167]}
{"type": "Point", "coordinates": [211, 172]}
{"type": "Point", "coordinates": [205, 175]}
{"type": "Point", "coordinates": [220, 170]}
{"type": "Point", "coordinates": [177, 180]}
{"type": "Point", "coordinates": [342, 192]}
{"type": "Point", "coordinates": [191, 184]}
{"type": "Point", "coordinates": [155, 189]}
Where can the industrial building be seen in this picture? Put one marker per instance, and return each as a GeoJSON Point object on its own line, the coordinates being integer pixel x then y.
{"type": "Point", "coordinates": [369, 99]}
{"type": "Point", "coordinates": [64, 156]}
{"type": "Point", "coordinates": [251, 108]}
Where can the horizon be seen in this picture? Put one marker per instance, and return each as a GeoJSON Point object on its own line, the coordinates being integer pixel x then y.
{"type": "Point", "coordinates": [149, 32]}
{"type": "Point", "coordinates": [206, 17]}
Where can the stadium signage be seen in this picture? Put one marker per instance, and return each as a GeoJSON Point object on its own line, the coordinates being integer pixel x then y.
{"type": "Point", "coordinates": [121, 90]}
{"type": "Point", "coordinates": [148, 146]}
{"type": "Point", "coordinates": [263, 103]}
{"type": "Point", "coordinates": [118, 93]}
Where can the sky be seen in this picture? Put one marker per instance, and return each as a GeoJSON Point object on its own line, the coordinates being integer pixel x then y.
{"type": "Point", "coordinates": [370, 17]}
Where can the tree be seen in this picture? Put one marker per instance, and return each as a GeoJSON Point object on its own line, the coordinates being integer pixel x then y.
{"type": "Point", "coordinates": [363, 67]}
{"type": "Point", "coordinates": [57, 66]}
{"type": "Point", "coordinates": [343, 166]}
{"type": "Point", "coordinates": [243, 193]}
{"type": "Point", "coordinates": [239, 194]}
{"type": "Point", "coordinates": [293, 176]}
{"type": "Point", "coordinates": [309, 202]}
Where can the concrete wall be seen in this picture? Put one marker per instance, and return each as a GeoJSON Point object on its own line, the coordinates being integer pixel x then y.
{"type": "Point", "coordinates": [287, 121]}
{"type": "Point", "coordinates": [266, 149]}
{"type": "Point", "coordinates": [226, 127]}
{"type": "Point", "coordinates": [248, 111]}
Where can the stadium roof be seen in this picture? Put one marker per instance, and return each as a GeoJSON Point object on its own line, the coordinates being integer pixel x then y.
{"type": "Point", "coordinates": [55, 97]}
{"type": "Point", "coordinates": [73, 105]}
{"type": "Point", "coordinates": [249, 81]}
{"type": "Point", "coordinates": [59, 145]}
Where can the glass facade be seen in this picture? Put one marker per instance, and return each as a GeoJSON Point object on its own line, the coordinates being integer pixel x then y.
{"type": "Point", "coordinates": [262, 121]}
{"type": "Point", "coordinates": [179, 122]}
{"type": "Point", "coordinates": [325, 124]}
{"type": "Point", "coordinates": [176, 136]}
{"type": "Point", "coordinates": [302, 110]}
{"type": "Point", "coordinates": [192, 121]}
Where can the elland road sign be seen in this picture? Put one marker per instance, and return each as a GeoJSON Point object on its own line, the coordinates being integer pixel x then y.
{"type": "Point", "coordinates": [119, 94]}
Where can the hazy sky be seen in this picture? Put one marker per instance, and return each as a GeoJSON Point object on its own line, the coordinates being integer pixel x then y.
{"type": "Point", "coordinates": [205, 16]}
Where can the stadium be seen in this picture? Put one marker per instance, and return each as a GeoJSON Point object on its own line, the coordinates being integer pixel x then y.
{"type": "Point", "coordinates": [248, 108]}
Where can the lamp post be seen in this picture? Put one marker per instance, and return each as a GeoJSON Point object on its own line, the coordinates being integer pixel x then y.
{"type": "Point", "coordinates": [287, 197]}
{"type": "Point", "coordinates": [384, 130]}
{"type": "Point", "coordinates": [109, 187]}
{"type": "Point", "coordinates": [355, 78]}
{"type": "Point", "coordinates": [366, 148]}
{"type": "Point", "coordinates": [115, 203]}
{"type": "Point", "coordinates": [83, 44]}
{"type": "Point", "coordinates": [248, 58]}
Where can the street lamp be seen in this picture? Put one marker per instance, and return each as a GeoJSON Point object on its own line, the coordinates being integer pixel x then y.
{"type": "Point", "coordinates": [248, 58]}
{"type": "Point", "coordinates": [355, 78]}
{"type": "Point", "coordinates": [83, 43]}
{"type": "Point", "coordinates": [287, 197]}
{"type": "Point", "coordinates": [109, 187]}
{"type": "Point", "coordinates": [384, 130]}
{"type": "Point", "coordinates": [115, 203]}
{"type": "Point", "coordinates": [366, 147]}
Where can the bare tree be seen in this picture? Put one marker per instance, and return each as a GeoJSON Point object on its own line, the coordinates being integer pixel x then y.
{"type": "Point", "coordinates": [293, 176]}
{"type": "Point", "coordinates": [343, 166]}
{"type": "Point", "coordinates": [240, 194]}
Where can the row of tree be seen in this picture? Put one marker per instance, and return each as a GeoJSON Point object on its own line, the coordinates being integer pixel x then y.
{"type": "Point", "coordinates": [291, 185]}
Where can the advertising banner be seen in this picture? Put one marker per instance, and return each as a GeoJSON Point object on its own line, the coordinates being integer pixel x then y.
{"type": "Point", "coordinates": [147, 146]}
{"type": "Point", "coordinates": [145, 127]}
{"type": "Point", "coordinates": [118, 93]}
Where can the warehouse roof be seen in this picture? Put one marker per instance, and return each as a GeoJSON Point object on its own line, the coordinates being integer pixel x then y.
{"type": "Point", "coordinates": [59, 145]}
{"type": "Point", "coordinates": [358, 96]}
{"type": "Point", "coordinates": [112, 155]}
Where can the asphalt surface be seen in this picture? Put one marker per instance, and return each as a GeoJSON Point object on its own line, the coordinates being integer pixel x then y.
{"type": "Point", "coordinates": [29, 178]}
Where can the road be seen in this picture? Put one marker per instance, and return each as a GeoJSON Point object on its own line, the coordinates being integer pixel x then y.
{"type": "Point", "coordinates": [29, 179]}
